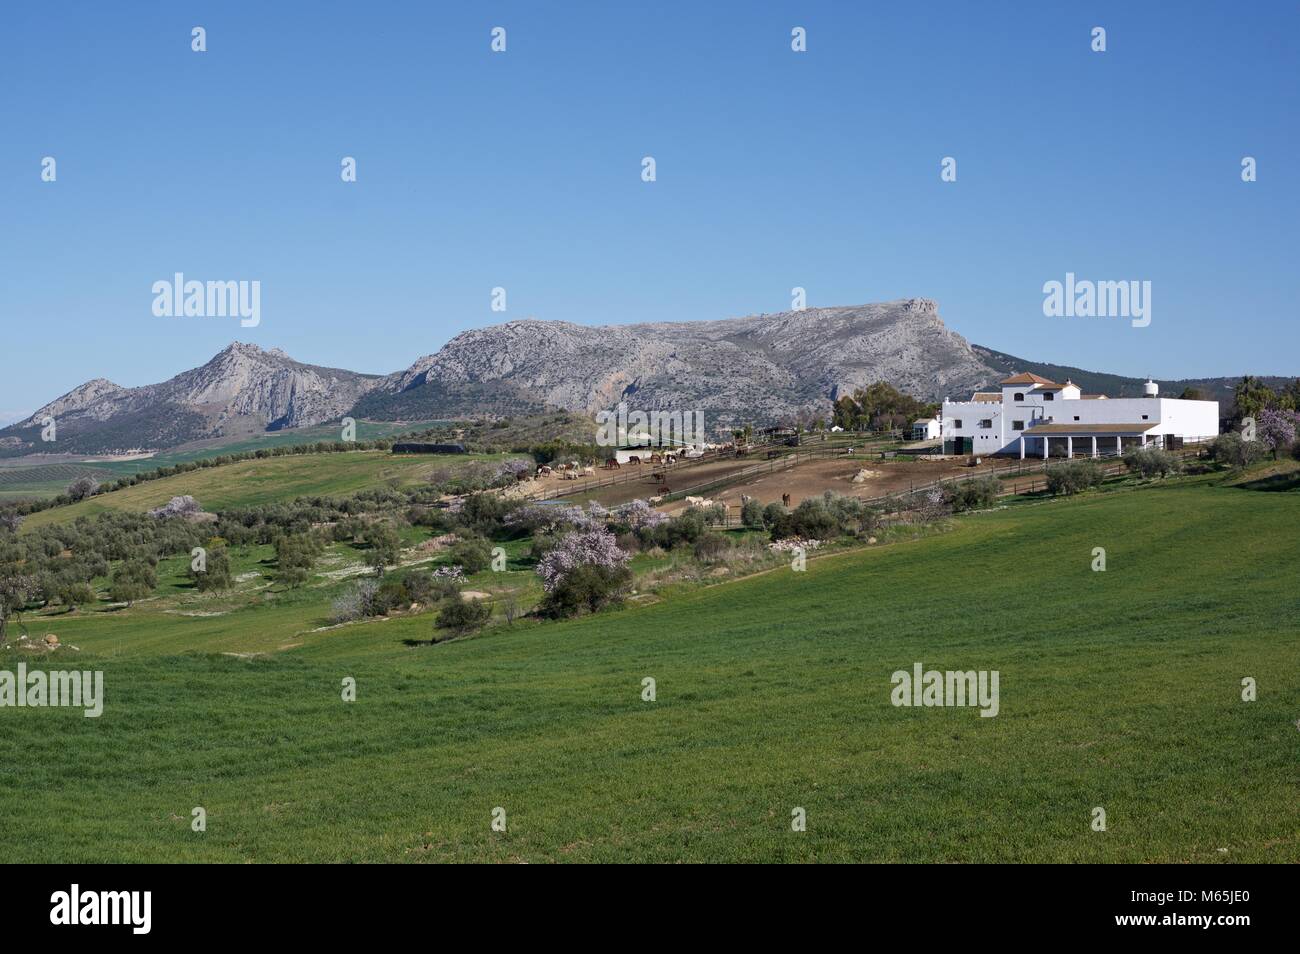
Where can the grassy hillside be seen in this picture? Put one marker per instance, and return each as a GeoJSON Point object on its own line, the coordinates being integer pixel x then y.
{"type": "Point", "coordinates": [32, 476]}
{"type": "Point", "coordinates": [252, 482]}
{"type": "Point", "coordinates": [1118, 689]}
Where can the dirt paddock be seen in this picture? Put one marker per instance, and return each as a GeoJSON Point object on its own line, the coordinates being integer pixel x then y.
{"type": "Point", "coordinates": [813, 478]}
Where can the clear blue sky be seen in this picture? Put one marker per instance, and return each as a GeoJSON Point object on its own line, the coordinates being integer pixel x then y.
{"type": "Point", "coordinates": [522, 169]}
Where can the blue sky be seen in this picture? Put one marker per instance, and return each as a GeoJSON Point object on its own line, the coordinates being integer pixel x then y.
{"type": "Point", "coordinates": [522, 170]}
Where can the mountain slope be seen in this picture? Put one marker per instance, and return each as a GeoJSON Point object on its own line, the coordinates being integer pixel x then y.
{"type": "Point", "coordinates": [756, 368]}
{"type": "Point", "coordinates": [243, 389]}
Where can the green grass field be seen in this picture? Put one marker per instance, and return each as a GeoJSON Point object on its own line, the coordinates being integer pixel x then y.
{"type": "Point", "coordinates": [250, 483]}
{"type": "Point", "coordinates": [1119, 689]}
{"type": "Point", "coordinates": [28, 477]}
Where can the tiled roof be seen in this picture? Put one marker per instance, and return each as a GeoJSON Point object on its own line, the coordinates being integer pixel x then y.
{"type": "Point", "coordinates": [1026, 378]}
{"type": "Point", "coordinates": [988, 397]}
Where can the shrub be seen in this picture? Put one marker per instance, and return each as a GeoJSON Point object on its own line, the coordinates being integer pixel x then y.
{"type": "Point", "coordinates": [751, 514]}
{"type": "Point", "coordinates": [1150, 462]}
{"type": "Point", "coordinates": [472, 554]}
{"type": "Point", "coordinates": [589, 588]}
{"type": "Point", "coordinates": [1073, 476]}
{"type": "Point", "coordinates": [460, 616]}
{"type": "Point", "coordinates": [772, 513]}
{"type": "Point", "coordinates": [711, 547]}
{"type": "Point", "coordinates": [978, 493]}
{"type": "Point", "coordinates": [1229, 449]}
{"type": "Point", "coordinates": [357, 603]}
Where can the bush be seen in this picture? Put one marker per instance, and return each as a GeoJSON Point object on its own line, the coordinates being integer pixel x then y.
{"type": "Point", "coordinates": [1073, 476]}
{"type": "Point", "coordinates": [472, 554]}
{"type": "Point", "coordinates": [1150, 462]}
{"type": "Point", "coordinates": [588, 588]}
{"type": "Point", "coordinates": [460, 616]}
{"type": "Point", "coordinates": [772, 514]}
{"type": "Point", "coordinates": [711, 547]}
{"type": "Point", "coordinates": [1229, 449]}
{"type": "Point", "coordinates": [978, 493]}
{"type": "Point", "coordinates": [751, 514]}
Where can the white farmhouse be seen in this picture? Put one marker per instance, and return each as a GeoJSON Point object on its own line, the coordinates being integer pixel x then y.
{"type": "Point", "coordinates": [1034, 417]}
{"type": "Point", "coordinates": [926, 429]}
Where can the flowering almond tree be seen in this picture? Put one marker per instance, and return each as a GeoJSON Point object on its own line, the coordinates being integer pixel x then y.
{"type": "Point", "coordinates": [596, 548]}
{"type": "Point", "coordinates": [1276, 429]}
{"type": "Point", "coordinates": [584, 572]}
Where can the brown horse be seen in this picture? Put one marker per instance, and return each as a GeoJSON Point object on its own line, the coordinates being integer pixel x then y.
{"type": "Point", "coordinates": [785, 500]}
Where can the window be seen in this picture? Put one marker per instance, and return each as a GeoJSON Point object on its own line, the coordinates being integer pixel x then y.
{"type": "Point", "coordinates": [957, 423]}
{"type": "Point", "coordinates": [1017, 425]}
{"type": "Point", "coordinates": [1049, 396]}
{"type": "Point", "coordinates": [1076, 417]}
{"type": "Point", "coordinates": [1144, 417]}
{"type": "Point", "coordinates": [987, 422]}
{"type": "Point", "coordinates": [1019, 397]}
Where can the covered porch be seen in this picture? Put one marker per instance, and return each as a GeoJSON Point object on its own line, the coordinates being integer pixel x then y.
{"type": "Point", "coordinates": [1084, 440]}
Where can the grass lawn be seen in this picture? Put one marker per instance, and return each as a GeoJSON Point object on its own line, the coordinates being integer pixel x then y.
{"type": "Point", "coordinates": [1119, 689]}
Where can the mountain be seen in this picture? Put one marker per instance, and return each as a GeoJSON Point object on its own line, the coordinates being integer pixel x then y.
{"type": "Point", "coordinates": [242, 390]}
{"type": "Point", "coordinates": [758, 368]}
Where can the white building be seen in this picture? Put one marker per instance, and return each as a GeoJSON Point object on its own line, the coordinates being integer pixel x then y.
{"type": "Point", "coordinates": [926, 429]}
{"type": "Point", "coordinates": [1034, 417]}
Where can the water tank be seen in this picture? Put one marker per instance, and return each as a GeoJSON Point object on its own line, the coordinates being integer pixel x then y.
{"type": "Point", "coordinates": [1150, 389]}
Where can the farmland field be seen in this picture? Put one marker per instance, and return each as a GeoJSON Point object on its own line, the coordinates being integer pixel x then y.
{"type": "Point", "coordinates": [249, 483]}
{"type": "Point", "coordinates": [1119, 689]}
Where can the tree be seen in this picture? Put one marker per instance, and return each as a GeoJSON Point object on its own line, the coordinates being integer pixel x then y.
{"type": "Point", "coordinates": [215, 576]}
{"type": "Point", "coordinates": [10, 520]}
{"type": "Point", "coordinates": [133, 580]}
{"type": "Point", "coordinates": [295, 555]}
{"type": "Point", "coordinates": [1230, 449]}
{"type": "Point", "coordinates": [585, 570]}
{"type": "Point", "coordinates": [1191, 394]}
{"type": "Point", "coordinates": [1251, 396]}
{"type": "Point", "coordinates": [16, 591]}
{"type": "Point", "coordinates": [76, 594]}
{"type": "Point", "coordinates": [1276, 429]}
{"type": "Point", "coordinates": [385, 546]}
{"type": "Point", "coordinates": [83, 487]}
{"type": "Point", "coordinates": [751, 514]}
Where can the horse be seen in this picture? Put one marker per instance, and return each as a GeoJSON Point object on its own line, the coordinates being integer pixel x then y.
{"type": "Point", "coordinates": [785, 500]}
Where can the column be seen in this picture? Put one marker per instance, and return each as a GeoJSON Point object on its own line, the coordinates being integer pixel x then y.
{"type": "Point", "coordinates": [1119, 446]}
{"type": "Point", "coordinates": [1094, 446]}
{"type": "Point", "coordinates": [1069, 447]}
{"type": "Point", "coordinates": [1046, 442]}
{"type": "Point", "coordinates": [1022, 446]}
